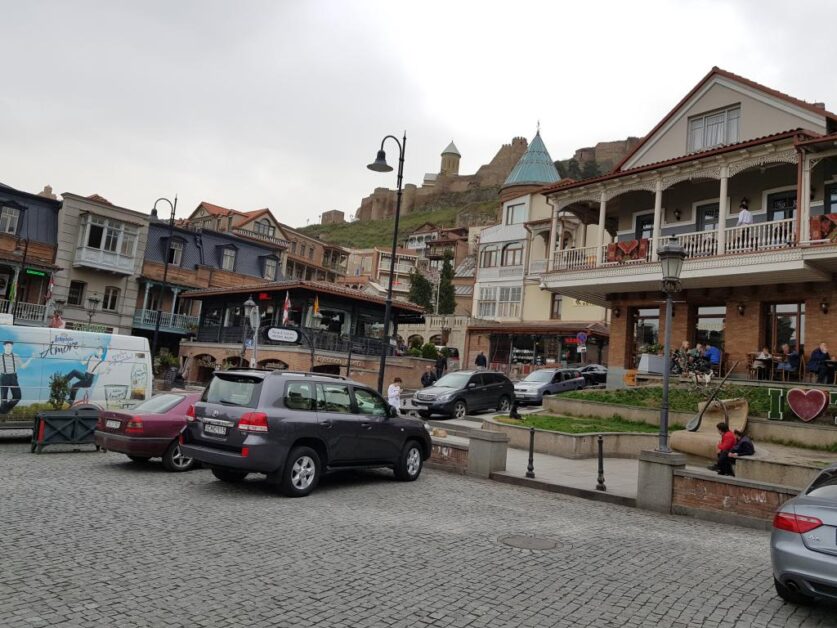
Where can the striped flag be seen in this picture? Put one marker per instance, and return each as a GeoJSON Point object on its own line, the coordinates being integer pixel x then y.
{"type": "Point", "coordinates": [50, 288]}
{"type": "Point", "coordinates": [286, 309]}
{"type": "Point", "coordinates": [316, 304]}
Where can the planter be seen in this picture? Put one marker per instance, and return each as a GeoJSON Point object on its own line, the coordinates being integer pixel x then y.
{"type": "Point", "coordinates": [649, 363]}
{"type": "Point", "coordinates": [70, 427]}
{"type": "Point", "coordinates": [558, 404]}
{"type": "Point", "coordinates": [616, 444]}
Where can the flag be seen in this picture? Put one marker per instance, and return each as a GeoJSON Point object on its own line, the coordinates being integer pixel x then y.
{"type": "Point", "coordinates": [50, 288]}
{"type": "Point", "coordinates": [316, 304]}
{"type": "Point", "coordinates": [12, 292]}
{"type": "Point", "coordinates": [286, 309]}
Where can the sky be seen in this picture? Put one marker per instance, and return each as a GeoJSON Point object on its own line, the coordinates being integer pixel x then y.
{"type": "Point", "coordinates": [281, 104]}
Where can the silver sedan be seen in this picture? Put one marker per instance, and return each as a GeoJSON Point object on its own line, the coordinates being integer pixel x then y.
{"type": "Point", "coordinates": [803, 546]}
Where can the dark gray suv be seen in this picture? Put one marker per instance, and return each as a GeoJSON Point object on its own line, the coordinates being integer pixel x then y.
{"type": "Point", "coordinates": [294, 427]}
{"type": "Point", "coordinates": [458, 393]}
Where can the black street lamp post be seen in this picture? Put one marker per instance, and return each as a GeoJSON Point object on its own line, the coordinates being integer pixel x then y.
{"type": "Point", "coordinates": [165, 285]}
{"type": "Point", "coordinates": [92, 305]}
{"type": "Point", "coordinates": [380, 165]}
{"type": "Point", "coordinates": [671, 256]}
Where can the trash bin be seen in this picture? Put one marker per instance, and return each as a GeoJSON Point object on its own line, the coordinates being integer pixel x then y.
{"type": "Point", "coordinates": [65, 427]}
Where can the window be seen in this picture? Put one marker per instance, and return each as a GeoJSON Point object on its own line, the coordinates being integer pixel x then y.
{"type": "Point", "coordinates": [9, 217]}
{"type": "Point", "coordinates": [334, 398]}
{"type": "Point", "coordinates": [509, 304]}
{"type": "Point", "coordinates": [175, 252]}
{"type": "Point", "coordinates": [646, 330]}
{"type": "Point", "coordinates": [76, 294]}
{"type": "Point", "coordinates": [302, 250]}
{"type": "Point", "coordinates": [228, 389]}
{"type": "Point", "coordinates": [785, 324]}
{"type": "Point", "coordinates": [110, 299]}
{"type": "Point", "coordinates": [555, 307]}
{"type": "Point", "coordinates": [781, 206]}
{"type": "Point", "coordinates": [513, 254]}
{"type": "Point", "coordinates": [129, 242]}
{"type": "Point", "coordinates": [489, 257]}
{"type": "Point", "coordinates": [370, 403]}
{"type": "Point", "coordinates": [108, 235]}
{"type": "Point", "coordinates": [831, 199]}
{"type": "Point", "coordinates": [264, 227]}
{"type": "Point", "coordinates": [487, 305]}
{"type": "Point", "coordinates": [714, 129]}
{"type": "Point", "coordinates": [311, 252]}
{"type": "Point", "coordinates": [299, 396]}
{"type": "Point", "coordinates": [515, 214]}
{"type": "Point", "coordinates": [710, 325]}
{"type": "Point", "coordinates": [644, 227]}
{"type": "Point", "coordinates": [228, 259]}
{"type": "Point", "coordinates": [707, 217]}
{"type": "Point", "coordinates": [154, 299]}
{"type": "Point", "coordinates": [293, 247]}
{"type": "Point", "coordinates": [270, 269]}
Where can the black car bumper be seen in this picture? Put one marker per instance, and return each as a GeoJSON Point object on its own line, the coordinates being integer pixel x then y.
{"type": "Point", "coordinates": [434, 407]}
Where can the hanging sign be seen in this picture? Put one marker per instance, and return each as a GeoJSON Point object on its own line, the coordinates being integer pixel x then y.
{"type": "Point", "coordinates": [283, 334]}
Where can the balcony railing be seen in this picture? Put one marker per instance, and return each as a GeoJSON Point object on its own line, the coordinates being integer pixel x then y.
{"type": "Point", "coordinates": [537, 266]}
{"type": "Point", "coordinates": [579, 259]}
{"type": "Point", "coordinates": [249, 233]}
{"type": "Point", "coordinates": [324, 340]}
{"type": "Point", "coordinates": [448, 322]}
{"type": "Point", "coordinates": [698, 244]}
{"type": "Point", "coordinates": [399, 268]}
{"type": "Point", "coordinates": [171, 323]}
{"type": "Point", "coordinates": [777, 234]}
{"type": "Point", "coordinates": [24, 313]}
{"type": "Point", "coordinates": [104, 260]}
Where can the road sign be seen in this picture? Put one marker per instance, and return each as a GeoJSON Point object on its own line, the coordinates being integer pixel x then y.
{"type": "Point", "coordinates": [581, 337]}
{"type": "Point", "coordinates": [248, 343]}
{"type": "Point", "coordinates": [582, 348]}
{"type": "Point", "coordinates": [283, 334]}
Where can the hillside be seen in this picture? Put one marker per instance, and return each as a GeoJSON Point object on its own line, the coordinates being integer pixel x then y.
{"type": "Point", "coordinates": [362, 235]}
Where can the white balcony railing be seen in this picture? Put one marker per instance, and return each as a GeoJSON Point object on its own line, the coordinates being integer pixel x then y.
{"type": "Point", "coordinates": [104, 260]}
{"type": "Point", "coordinates": [579, 259]}
{"type": "Point", "coordinates": [257, 235]}
{"type": "Point", "coordinates": [27, 313]}
{"type": "Point", "coordinates": [168, 321]}
{"type": "Point", "coordinates": [448, 322]}
{"type": "Point", "coordinates": [777, 234]}
{"type": "Point", "coordinates": [700, 244]}
{"type": "Point", "coordinates": [536, 267]}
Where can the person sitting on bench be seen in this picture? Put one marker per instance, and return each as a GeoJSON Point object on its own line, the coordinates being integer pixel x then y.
{"type": "Point", "coordinates": [724, 465]}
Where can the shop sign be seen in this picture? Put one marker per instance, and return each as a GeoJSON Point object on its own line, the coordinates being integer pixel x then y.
{"type": "Point", "coordinates": [806, 404]}
{"type": "Point", "coordinates": [283, 334]}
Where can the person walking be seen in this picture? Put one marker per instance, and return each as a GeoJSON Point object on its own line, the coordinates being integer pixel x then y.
{"type": "Point", "coordinates": [481, 361]}
{"type": "Point", "coordinates": [10, 362]}
{"type": "Point", "coordinates": [428, 378]}
{"type": "Point", "coordinates": [441, 365]}
{"type": "Point", "coordinates": [394, 394]}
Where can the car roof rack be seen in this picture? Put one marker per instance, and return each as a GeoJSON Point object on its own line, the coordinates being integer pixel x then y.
{"type": "Point", "coordinates": [310, 374]}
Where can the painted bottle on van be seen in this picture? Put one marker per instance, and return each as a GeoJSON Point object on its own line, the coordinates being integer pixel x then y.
{"type": "Point", "coordinates": [51, 369]}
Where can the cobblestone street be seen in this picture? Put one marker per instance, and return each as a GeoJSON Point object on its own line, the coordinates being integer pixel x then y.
{"type": "Point", "coordinates": [93, 539]}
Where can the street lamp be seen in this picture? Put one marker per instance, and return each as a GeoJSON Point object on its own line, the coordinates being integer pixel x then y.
{"type": "Point", "coordinates": [165, 270]}
{"type": "Point", "coordinates": [252, 315]}
{"type": "Point", "coordinates": [380, 165]}
{"type": "Point", "coordinates": [92, 305]}
{"type": "Point", "coordinates": [671, 256]}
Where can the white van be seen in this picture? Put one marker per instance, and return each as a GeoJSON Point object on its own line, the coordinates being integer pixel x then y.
{"type": "Point", "coordinates": [52, 369]}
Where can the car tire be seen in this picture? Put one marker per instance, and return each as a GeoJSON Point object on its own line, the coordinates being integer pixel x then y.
{"type": "Point", "coordinates": [793, 597]}
{"type": "Point", "coordinates": [175, 461]}
{"type": "Point", "coordinates": [140, 459]}
{"type": "Point", "coordinates": [460, 409]}
{"type": "Point", "coordinates": [410, 462]}
{"type": "Point", "coordinates": [503, 404]}
{"type": "Point", "coordinates": [302, 472]}
{"type": "Point", "coordinates": [424, 414]}
{"type": "Point", "coordinates": [229, 475]}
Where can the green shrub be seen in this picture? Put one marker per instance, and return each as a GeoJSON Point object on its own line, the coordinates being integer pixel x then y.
{"type": "Point", "coordinates": [429, 351]}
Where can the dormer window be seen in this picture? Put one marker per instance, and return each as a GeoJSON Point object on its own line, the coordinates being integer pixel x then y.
{"type": "Point", "coordinates": [714, 129]}
{"type": "Point", "coordinates": [175, 252]}
{"type": "Point", "coordinates": [263, 227]}
{"type": "Point", "coordinates": [228, 259]}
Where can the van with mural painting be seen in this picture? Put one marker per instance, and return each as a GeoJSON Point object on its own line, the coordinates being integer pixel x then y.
{"type": "Point", "coordinates": [43, 368]}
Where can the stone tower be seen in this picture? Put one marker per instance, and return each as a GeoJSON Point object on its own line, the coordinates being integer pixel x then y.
{"type": "Point", "coordinates": [450, 160]}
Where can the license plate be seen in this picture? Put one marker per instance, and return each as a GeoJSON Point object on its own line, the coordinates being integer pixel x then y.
{"type": "Point", "coordinates": [218, 430]}
{"type": "Point", "coordinates": [420, 403]}
{"type": "Point", "coordinates": [113, 425]}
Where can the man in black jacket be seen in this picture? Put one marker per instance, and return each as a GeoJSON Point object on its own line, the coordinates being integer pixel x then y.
{"type": "Point", "coordinates": [481, 361]}
{"type": "Point", "coordinates": [428, 378]}
{"type": "Point", "coordinates": [441, 365]}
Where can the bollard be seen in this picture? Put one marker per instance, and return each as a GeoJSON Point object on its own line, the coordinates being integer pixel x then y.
{"type": "Point", "coordinates": [600, 481]}
{"type": "Point", "coordinates": [530, 470]}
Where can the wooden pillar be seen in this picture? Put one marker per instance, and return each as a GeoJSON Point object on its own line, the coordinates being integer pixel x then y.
{"type": "Point", "coordinates": [602, 212]}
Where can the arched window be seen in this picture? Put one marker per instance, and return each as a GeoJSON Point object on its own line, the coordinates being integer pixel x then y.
{"type": "Point", "coordinates": [489, 257]}
{"type": "Point", "coordinates": [513, 254]}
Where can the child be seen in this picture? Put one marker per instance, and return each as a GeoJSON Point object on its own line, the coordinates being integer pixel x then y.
{"type": "Point", "coordinates": [394, 393]}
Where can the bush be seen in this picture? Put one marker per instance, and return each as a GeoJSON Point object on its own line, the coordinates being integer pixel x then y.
{"type": "Point", "coordinates": [59, 391]}
{"type": "Point", "coordinates": [429, 351]}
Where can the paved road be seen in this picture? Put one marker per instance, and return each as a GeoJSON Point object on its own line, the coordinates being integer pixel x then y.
{"type": "Point", "coordinates": [92, 539]}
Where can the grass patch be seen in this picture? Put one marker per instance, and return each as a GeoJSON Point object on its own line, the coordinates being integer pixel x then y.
{"type": "Point", "coordinates": [680, 399]}
{"type": "Point", "coordinates": [577, 425]}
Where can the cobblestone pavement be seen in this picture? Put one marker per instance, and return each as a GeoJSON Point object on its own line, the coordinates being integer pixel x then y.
{"type": "Point", "coordinates": [92, 539]}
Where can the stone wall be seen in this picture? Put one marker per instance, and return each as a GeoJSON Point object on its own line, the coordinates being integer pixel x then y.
{"type": "Point", "coordinates": [333, 217]}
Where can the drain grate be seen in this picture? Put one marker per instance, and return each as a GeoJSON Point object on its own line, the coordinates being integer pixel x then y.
{"type": "Point", "coordinates": [529, 542]}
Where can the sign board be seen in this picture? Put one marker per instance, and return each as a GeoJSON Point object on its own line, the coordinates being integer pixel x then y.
{"type": "Point", "coordinates": [582, 348]}
{"type": "Point", "coordinates": [581, 337]}
{"type": "Point", "coordinates": [7, 319]}
{"type": "Point", "coordinates": [283, 334]}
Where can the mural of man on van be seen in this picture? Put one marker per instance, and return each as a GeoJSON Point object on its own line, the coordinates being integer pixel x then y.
{"type": "Point", "coordinates": [44, 369]}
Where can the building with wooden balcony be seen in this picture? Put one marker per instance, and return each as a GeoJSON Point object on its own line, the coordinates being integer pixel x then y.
{"type": "Point", "coordinates": [745, 177]}
{"type": "Point", "coordinates": [28, 227]}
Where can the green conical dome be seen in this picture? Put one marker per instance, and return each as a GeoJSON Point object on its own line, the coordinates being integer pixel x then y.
{"type": "Point", "coordinates": [535, 167]}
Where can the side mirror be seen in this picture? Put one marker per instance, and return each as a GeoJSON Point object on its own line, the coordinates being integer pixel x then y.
{"type": "Point", "coordinates": [472, 385]}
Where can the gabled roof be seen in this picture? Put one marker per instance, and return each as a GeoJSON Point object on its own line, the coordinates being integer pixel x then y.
{"type": "Point", "coordinates": [217, 210]}
{"type": "Point", "coordinates": [451, 150]}
{"type": "Point", "coordinates": [535, 166]}
{"type": "Point", "coordinates": [718, 72]}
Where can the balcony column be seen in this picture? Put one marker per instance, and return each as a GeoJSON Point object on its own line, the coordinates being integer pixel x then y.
{"type": "Point", "coordinates": [145, 298]}
{"type": "Point", "coordinates": [602, 212]}
{"type": "Point", "coordinates": [553, 234]}
{"type": "Point", "coordinates": [175, 292]}
{"type": "Point", "coordinates": [723, 211]}
{"type": "Point", "coordinates": [658, 218]}
{"type": "Point", "coordinates": [804, 234]}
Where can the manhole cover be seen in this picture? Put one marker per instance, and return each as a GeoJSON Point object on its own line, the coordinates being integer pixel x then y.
{"type": "Point", "coordinates": [529, 542]}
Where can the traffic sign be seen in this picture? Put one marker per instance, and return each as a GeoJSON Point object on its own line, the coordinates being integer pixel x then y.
{"type": "Point", "coordinates": [581, 337]}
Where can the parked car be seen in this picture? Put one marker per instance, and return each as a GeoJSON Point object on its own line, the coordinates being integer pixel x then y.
{"type": "Point", "coordinates": [294, 427]}
{"type": "Point", "coordinates": [595, 374]}
{"type": "Point", "coordinates": [457, 394]}
{"type": "Point", "coordinates": [544, 382]}
{"type": "Point", "coordinates": [803, 546]}
{"type": "Point", "coordinates": [149, 430]}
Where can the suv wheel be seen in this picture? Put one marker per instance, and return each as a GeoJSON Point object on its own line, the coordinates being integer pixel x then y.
{"type": "Point", "coordinates": [174, 460]}
{"type": "Point", "coordinates": [504, 404]}
{"type": "Point", "coordinates": [409, 463]}
{"type": "Point", "coordinates": [229, 475]}
{"type": "Point", "coordinates": [460, 409]}
{"type": "Point", "coordinates": [302, 472]}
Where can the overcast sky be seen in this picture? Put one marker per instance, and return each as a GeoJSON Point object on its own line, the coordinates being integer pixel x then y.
{"type": "Point", "coordinates": [281, 104]}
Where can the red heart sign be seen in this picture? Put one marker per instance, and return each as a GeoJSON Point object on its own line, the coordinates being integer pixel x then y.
{"type": "Point", "coordinates": [807, 404]}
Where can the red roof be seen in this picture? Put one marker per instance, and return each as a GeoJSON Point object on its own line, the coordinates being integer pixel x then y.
{"type": "Point", "coordinates": [99, 199]}
{"type": "Point", "coordinates": [217, 210]}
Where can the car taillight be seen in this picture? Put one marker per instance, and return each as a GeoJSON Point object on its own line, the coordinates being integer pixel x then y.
{"type": "Point", "coordinates": [190, 413]}
{"type": "Point", "coordinates": [134, 426]}
{"type": "Point", "coordinates": [795, 523]}
{"type": "Point", "coordinates": [253, 422]}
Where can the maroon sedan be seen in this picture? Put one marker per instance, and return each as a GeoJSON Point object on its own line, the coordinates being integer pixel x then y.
{"type": "Point", "coordinates": [150, 429]}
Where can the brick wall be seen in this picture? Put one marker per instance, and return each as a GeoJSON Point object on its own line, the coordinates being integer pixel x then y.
{"type": "Point", "coordinates": [448, 456]}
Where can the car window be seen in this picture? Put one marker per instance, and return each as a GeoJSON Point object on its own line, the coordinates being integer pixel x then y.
{"type": "Point", "coordinates": [335, 398]}
{"type": "Point", "coordinates": [825, 485]}
{"type": "Point", "coordinates": [476, 379]}
{"type": "Point", "coordinates": [233, 390]}
{"type": "Point", "coordinates": [557, 377]}
{"type": "Point", "coordinates": [370, 403]}
{"type": "Point", "coordinates": [299, 396]}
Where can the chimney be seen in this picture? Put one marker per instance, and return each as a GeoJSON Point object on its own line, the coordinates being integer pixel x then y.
{"type": "Point", "coordinates": [47, 192]}
{"type": "Point", "coordinates": [819, 105]}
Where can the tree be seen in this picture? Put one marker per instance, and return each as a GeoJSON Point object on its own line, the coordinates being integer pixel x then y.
{"type": "Point", "coordinates": [59, 391]}
{"type": "Point", "coordinates": [590, 169]}
{"type": "Point", "coordinates": [573, 170]}
{"type": "Point", "coordinates": [447, 296]}
{"type": "Point", "coordinates": [421, 291]}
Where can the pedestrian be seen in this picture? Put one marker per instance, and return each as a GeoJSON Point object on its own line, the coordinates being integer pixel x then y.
{"type": "Point", "coordinates": [441, 365]}
{"type": "Point", "coordinates": [394, 393]}
{"type": "Point", "coordinates": [428, 378]}
{"type": "Point", "coordinates": [818, 363]}
{"type": "Point", "coordinates": [745, 218]}
{"type": "Point", "coordinates": [481, 361]}
{"type": "Point", "coordinates": [10, 362]}
{"type": "Point", "coordinates": [724, 464]}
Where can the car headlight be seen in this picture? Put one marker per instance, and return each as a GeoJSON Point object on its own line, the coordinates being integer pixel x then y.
{"type": "Point", "coordinates": [444, 397]}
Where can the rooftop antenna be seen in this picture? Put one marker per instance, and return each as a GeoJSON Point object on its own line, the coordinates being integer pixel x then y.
{"type": "Point", "coordinates": [539, 126]}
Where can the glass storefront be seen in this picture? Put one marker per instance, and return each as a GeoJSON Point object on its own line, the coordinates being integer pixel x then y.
{"type": "Point", "coordinates": [785, 325]}
{"type": "Point", "coordinates": [646, 332]}
{"type": "Point", "coordinates": [709, 328]}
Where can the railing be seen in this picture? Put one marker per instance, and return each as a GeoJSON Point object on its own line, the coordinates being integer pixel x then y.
{"type": "Point", "coordinates": [399, 268]}
{"type": "Point", "coordinates": [325, 340]}
{"type": "Point", "coordinates": [178, 323]}
{"type": "Point", "coordinates": [700, 244]}
{"type": "Point", "coordinates": [578, 259]}
{"type": "Point", "coordinates": [248, 233]}
{"type": "Point", "coordinates": [448, 322]}
{"type": "Point", "coordinates": [439, 251]}
{"type": "Point", "coordinates": [105, 260]}
{"type": "Point", "coordinates": [777, 234]}
{"type": "Point", "coordinates": [30, 313]}
{"type": "Point", "coordinates": [537, 266]}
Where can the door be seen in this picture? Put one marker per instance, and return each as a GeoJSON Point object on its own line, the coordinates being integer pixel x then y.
{"type": "Point", "coordinates": [379, 439]}
{"type": "Point", "coordinates": [339, 425]}
{"type": "Point", "coordinates": [493, 383]}
{"type": "Point", "coordinates": [475, 392]}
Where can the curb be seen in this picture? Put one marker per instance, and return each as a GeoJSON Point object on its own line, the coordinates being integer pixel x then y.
{"type": "Point", "coordinates": [593, 495]}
